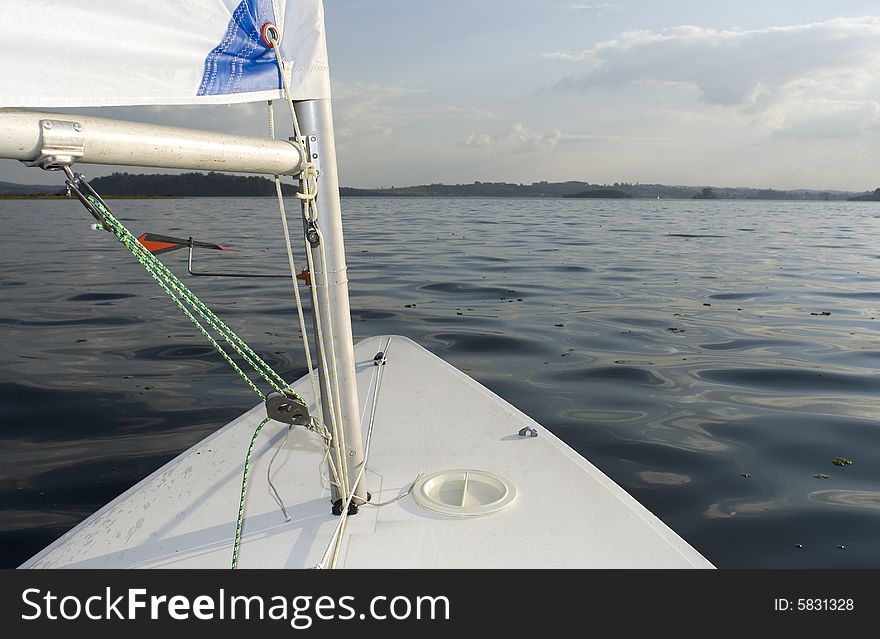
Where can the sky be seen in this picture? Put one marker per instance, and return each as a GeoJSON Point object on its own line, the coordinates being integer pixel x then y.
{"type": "Point", "coordinates": [768, 94]}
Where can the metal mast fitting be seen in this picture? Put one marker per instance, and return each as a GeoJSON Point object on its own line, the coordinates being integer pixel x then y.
{"type": "Point", "coordinates": [54, 140]}
{"type": "Point", "coordinates": [316, 119]}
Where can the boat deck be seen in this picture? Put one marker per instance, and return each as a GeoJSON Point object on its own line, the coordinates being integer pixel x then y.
{"type": "Point", "coordinates": [428, 417]}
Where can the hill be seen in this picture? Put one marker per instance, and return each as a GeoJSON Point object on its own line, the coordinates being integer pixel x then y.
{"type": "Point", "coordinates": [600, 193]}
{"type": "Point", "coordinates": [225, 185]}
{"type": "Point", "coordinates": [867, 197]}
{"type": "Point", "coordinates": [587, 190]}
{"type": "Point", "coordinates": [188, 185]}
{"type": "Point", "coordinates": [10, 188]}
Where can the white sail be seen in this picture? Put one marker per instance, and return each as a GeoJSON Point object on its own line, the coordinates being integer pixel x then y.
{"type": "Point", "coordinates": [58, 53]}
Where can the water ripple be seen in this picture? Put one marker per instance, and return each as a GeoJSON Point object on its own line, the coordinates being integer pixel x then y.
{"type": "Point", "coordinates": [715, 385]}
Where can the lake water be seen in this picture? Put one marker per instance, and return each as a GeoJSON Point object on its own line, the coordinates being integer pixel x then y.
{"type": "Point", "coordinates": [712, 357]}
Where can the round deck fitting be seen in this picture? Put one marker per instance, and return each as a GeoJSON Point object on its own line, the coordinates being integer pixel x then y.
{"type": "Point", "coordinates": [464, 492]}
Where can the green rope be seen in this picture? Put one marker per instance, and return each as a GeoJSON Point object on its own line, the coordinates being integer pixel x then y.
{"type": "Point", "coordinates": [182, 296]}
{"type": "Point", "coordinates": [240, 521]}
{"type": "Point", "coordinates": [191, 305]}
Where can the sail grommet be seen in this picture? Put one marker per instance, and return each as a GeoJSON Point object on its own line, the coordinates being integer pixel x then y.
{"type": "Point", "coordinates": [269, 34]}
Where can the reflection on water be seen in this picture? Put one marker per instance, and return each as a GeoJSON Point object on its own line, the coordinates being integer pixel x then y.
{"type": "Point", "coordinates": [857, 498]}
{"type": "Point", "coordinates": [712, 357]}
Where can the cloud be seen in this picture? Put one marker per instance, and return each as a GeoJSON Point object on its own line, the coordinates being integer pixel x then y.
{"type": "Point", "coordinates": [598, 8]}
{"type": "Point", "coordinates": [363, 110]}
{"type": "Point", "coordinates": [829, 119]}
{"type": "Point", "coordinates": [739, 68]}
{"type": "Point", "coordinates": [677, 115]}
{"type": "Point", "coordinates": [516, 139]}
{"type": "Point", "coordinates": [367, 110]}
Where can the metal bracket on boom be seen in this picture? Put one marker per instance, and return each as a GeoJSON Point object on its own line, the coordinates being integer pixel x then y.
{"type": "Point", "coordinates": [62, 142]}
{"type": "Point", "coordinates": [78, 186]}
{"type": "Point", "coordinates": [312, 152]}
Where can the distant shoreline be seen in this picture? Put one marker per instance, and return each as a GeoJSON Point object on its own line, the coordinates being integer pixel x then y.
{"type": "Point", "coordinates": [412, 196]}
{"type": "Point", "coordinates": [64, 196]}
{"type": "Point", "coordinates": [186, 185]}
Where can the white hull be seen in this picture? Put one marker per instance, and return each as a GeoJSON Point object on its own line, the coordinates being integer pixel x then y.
{"type": "Point", "coordinates": [428, 417]}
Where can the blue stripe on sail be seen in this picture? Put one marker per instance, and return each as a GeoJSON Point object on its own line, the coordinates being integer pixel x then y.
{"type": "Point", "coordinates": [242, 62]}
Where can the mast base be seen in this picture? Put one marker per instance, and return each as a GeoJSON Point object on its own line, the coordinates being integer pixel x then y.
{"type": "Point", "coordinates": [337, 508]}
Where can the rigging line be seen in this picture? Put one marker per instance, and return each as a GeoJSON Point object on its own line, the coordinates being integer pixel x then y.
{"type": "Point", "coordinates": [292, 265]}
{"type": "Point", "coordinates": [335, 422]}
{"type": "Point", "coordinates": [373, 379]}
{"type": "Point", "coordinates": [332, 552]}
{"type": "Point", "coordinates": [333, 369]}
{"type": "Point", "coordinates": [328, 480]}
{"type": "Point", "coordinates": [337, 545]}
{"type": "Point", "coordinates": [239, 524]}
{"type": "Point", "coordinates": [177, 291]}
{"type": "Point", "coordinates": [269, 473]}
{"type": "Point", "coordinates": [375, 402]}
{"type": "Point", "coordinates": [181, 295]}
{"type": "Point", "coordinates": [230, 338]}
{"type": "Point", "coordinates": [205, 333]}
{"type": "Point", "coordinates": [333, 375]}
{"type": "Point", "coordinates": [307, 176]}
{"type": "Point", "coordinates": [273, 40]}
{"type": "Point", "coordinates": [373, 392]}
{"type": "Point", "coordinates": [173, 289]}
{"type": "Point", "coordinates": [299, 307]}
{"type": "Point", "coordinates": [399, 497]}
{"type": "Point", "coordinates": [315, 427]}
{"type": "Point", "coordinates": [148, 260]}
{"type": "Point", "coordinates": [328, 447]}
{"type": "Point", "coordinates": [321, 429]}
{"type": "Point", "coordinates": [153, 265]}
{"type": "Point", "coordinates": [334, 481]}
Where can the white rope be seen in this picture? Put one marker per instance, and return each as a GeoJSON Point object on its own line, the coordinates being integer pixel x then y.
{"type": "Point", "coordinates": [331, 553]}
{"type": "Point", "coordinates": [308, 195]}
{"type": "Point", "coordinates": [293, 273]}
{"type": "Point", "coordinates": [292, 265]}
{"type": "Point", "coordinates": [337, 405]}
{"type": "Point", "coordinates": [399, 497]}
{"type": "Point", "coordinates": [275, 494]}
{"type": "Point", "coordinates": [335, 423]}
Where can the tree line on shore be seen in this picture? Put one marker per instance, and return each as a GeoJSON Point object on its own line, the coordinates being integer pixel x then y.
{"type": "Point", "coordinates": [225, 185]}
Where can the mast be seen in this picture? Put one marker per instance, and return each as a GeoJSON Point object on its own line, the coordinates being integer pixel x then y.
{"type": "Point", "coordinates": [316, 122]}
